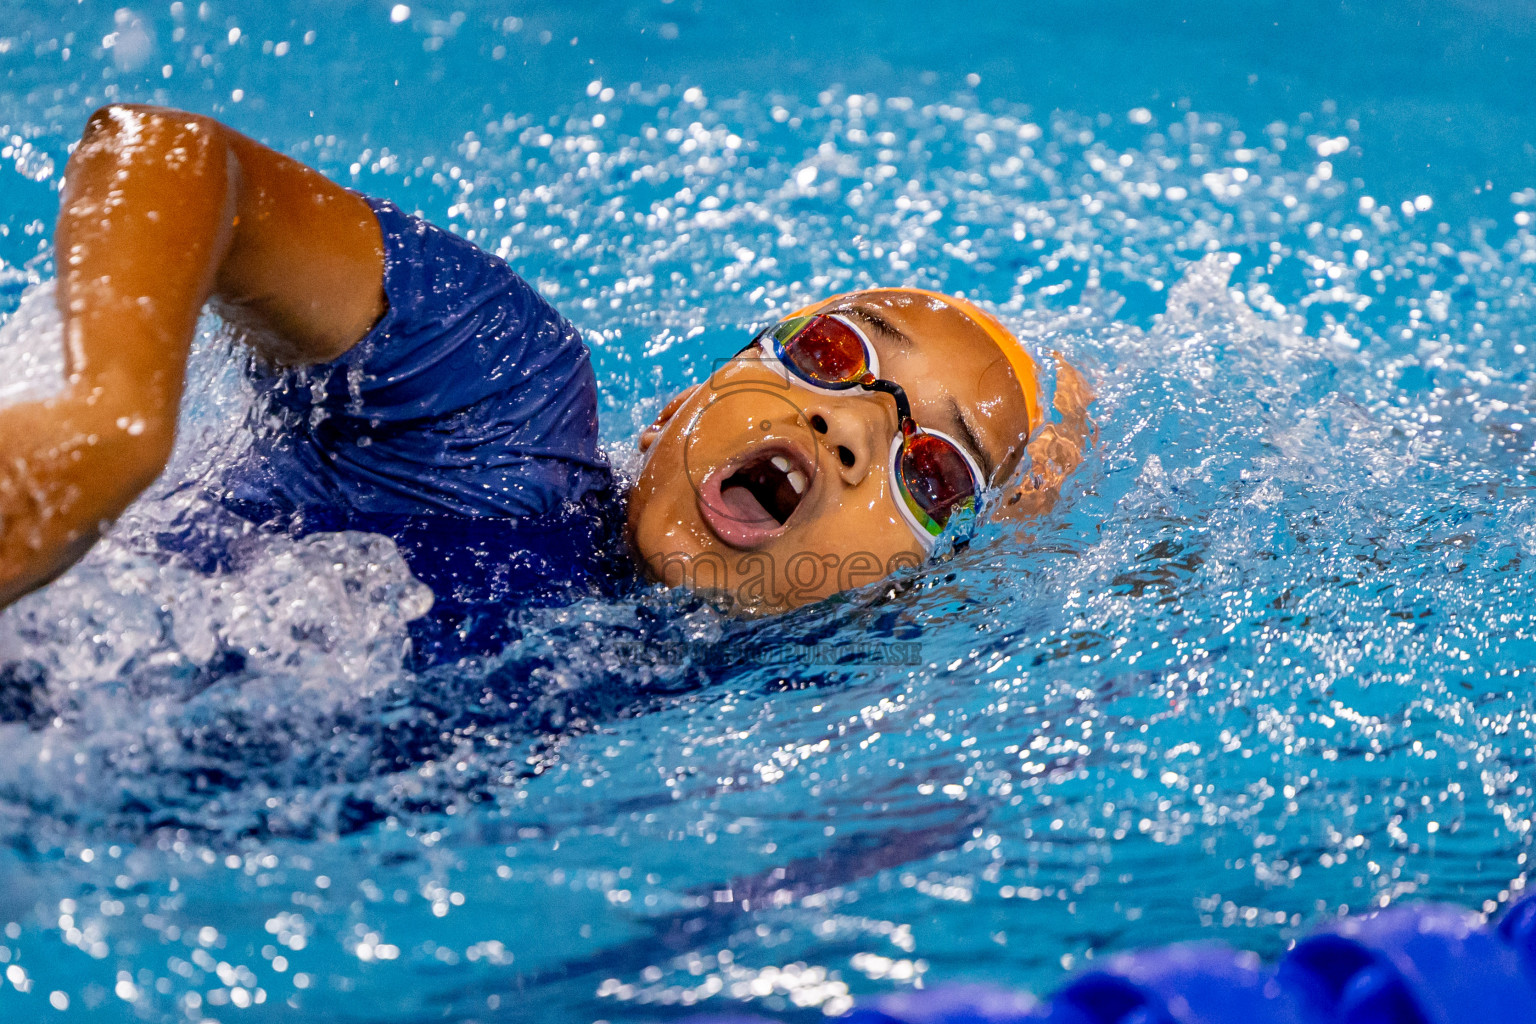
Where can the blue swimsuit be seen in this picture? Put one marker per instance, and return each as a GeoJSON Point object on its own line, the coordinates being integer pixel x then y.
{"type": "Point", "coordinates": [464, 426]}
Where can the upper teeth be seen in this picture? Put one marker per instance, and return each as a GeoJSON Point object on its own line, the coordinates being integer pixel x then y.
{"type": "Point", "coordinates": [781, 463]}
{"type": "Point", "coordinates": [796, 480]}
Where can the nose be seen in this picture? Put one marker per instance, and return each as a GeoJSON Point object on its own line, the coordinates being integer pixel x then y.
{"type": "Point", "coordinates": [856, 427]}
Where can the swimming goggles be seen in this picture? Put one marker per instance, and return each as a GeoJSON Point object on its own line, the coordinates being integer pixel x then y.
{"type": "Point", "coordinates": [935, 476]}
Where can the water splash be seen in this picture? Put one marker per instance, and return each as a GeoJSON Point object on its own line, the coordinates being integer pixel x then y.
{"type": "Point", "coordinates": [1264, 663]}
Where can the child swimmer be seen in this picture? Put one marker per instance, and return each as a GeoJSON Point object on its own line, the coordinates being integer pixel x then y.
{"type": "Point", "coordinates": [413, 385]}
{"type": "Point", "coordinates": [842, 442]}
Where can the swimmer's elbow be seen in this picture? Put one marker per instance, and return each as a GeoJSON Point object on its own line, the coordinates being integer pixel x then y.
{"type": "Point", "coordinates": [125, 122]}
{"type": "Point", "coordinates": [162, 138]}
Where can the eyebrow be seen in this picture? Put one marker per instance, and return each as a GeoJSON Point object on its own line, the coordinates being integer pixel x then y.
{"type": "Point", "coordinates": [881, 324]}
{"type": "Point", "coordinates": [988, 464]}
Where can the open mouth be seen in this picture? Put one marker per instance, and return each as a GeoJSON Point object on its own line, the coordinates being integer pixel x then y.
{"type": "Point", "coordinates": [750, 501]}
{"type": "Point", "coordinates": [771, 485]}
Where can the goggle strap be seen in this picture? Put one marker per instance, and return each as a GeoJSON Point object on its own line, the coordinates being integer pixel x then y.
{"type": "Point", "coordinates": [903, 406]}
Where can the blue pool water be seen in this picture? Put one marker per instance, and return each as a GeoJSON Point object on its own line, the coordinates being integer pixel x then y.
{"type": "Point", "coordinates": [1269, 662]}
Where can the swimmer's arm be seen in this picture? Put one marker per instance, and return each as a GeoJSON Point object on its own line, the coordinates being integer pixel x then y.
{"type": "Point", "coordinates": [1057, 448]}
{"type": "Point", "coordinates": [162, 212]}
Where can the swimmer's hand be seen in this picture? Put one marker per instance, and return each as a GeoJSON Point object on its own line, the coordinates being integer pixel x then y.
{"type": "Point", "coordinates": [161, 212]}
{"type": "Point", "coordinates": [1057, 448]}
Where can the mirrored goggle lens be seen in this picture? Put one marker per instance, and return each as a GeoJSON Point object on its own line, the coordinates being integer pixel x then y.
{"type": "Point", "coordinates": [824, 349]}
{"type": "Point", "coordinates": [936, 475]}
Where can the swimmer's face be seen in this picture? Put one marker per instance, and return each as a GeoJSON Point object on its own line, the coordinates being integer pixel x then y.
{"type": "Point", "coordinates": [775, 494]}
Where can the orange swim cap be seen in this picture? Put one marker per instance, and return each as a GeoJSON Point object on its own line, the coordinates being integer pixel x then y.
{"type": "Point", "coordinates": [1024, 369]}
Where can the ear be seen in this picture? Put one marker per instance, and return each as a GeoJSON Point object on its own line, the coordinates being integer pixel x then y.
{"type": "Point", "coordinates": [649, 435]}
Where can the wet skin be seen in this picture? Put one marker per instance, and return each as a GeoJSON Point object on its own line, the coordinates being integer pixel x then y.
{"type": "Point", "coordinates": [822, 516]}
{"type": "Point", "coordinates": [165, 212]}
{"type": "Point", "coordinates": [162, 213]}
